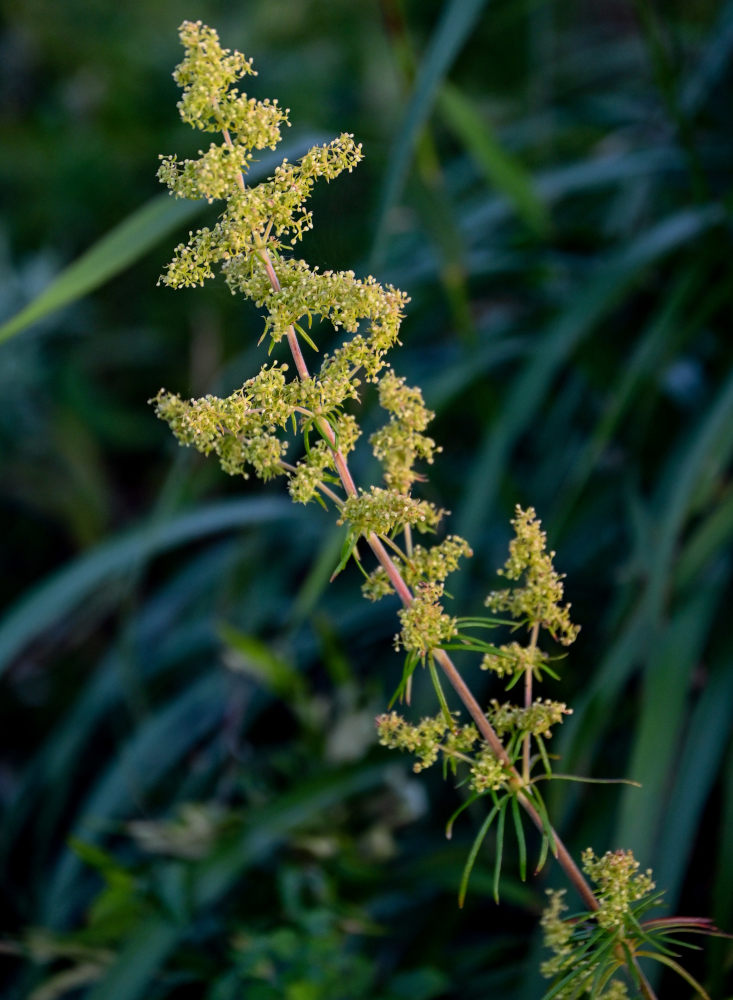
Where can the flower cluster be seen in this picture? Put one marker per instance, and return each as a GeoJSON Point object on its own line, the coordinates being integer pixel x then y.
{"type": "Point", "coordinates": [425, 625]}
{"type": "Point", "coordinates": [513, 658]}
{"type": "Point", "coordinates": [537, 719]}
{"type": "Point", "coordinates": [559, 935]}
{"type": "Point", "coordinates": [441, 735]}
{"type": "Point", "coordinates": [383, 511]}
{"type": "Point", "coordinates": [623, 892]}
{"type": "Point", "coordinates": [538, 600]}
{"type": "Point", "coordinates": [338, 296]}
{"type": "Point", "coordinates": [423, 565]}
{"type": "Point", "coordinates": [248, 428]}
{"type": "Point", "coordinates": [401, 442]}
{"type": "Point", "coordinates": [618, 884]}
{"type": "Point", "coordinates": [235, 428]}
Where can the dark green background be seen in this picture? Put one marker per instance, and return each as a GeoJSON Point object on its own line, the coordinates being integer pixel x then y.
{"type": "Point", "coordinates": [551, 183]}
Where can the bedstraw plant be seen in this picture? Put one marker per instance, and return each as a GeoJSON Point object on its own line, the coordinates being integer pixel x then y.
{"type": "Point", "coordinates": [289, 422]}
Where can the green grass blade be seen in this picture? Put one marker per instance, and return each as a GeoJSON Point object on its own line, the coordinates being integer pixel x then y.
{"type": "Point", "coordinates": [659, 731]}
{"type": "Point", "coordinates": [121, 247]}
{"type": "Point", "coordinates": [501, 170]}
{"type": "Point", "coordinates": [587, 308]}
{"type": "Point", "coordinates": [158, 745]}
{"type": "Point", "coordinates": [700, 759]}
{"type": "Point", "coordinates": [457, 20]}
{"type": "Point", "coordinates": [522, 843]}
{"type": "Point", "coordinates": [55, 598]}
{"type": "Point", "coordinates": [473, 853]}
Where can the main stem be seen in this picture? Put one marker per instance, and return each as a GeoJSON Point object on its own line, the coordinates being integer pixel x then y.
{"type": "Point", "coordinates": [528, 672]}
{"type": "Point", "coordinates": [440, 655]}
{"type": "Point", "coordinates": [446, 663]}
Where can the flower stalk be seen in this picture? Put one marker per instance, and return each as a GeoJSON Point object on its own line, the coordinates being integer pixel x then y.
{"type": "Point", "coordinates": [250, 243]}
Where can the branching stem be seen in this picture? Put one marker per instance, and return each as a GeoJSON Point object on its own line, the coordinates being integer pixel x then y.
{"type": "Point", "coordinates": [528, 674]}
{"type": "Point", "coordinates": [487, 731]}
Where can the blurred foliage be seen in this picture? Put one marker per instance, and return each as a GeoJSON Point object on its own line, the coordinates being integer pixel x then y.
{"type": "Point", "coordinates": [193, 802]}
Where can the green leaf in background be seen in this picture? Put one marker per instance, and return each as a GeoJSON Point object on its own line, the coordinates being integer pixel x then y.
{"type": "Point", "coordinates": [55, 597]}
{"type": "Point", "coordinates": [126, 243]}
{"type": "Point", "coordinates": [121, 247]}
{"type": "Point", "coordinates": [502, 170]}
{"type": "Point", "coordinates": [458, 19]}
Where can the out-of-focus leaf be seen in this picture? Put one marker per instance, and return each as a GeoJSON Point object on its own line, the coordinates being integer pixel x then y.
{"type": "Point", "coordinates": [53, 599]}
{"type": "Point", "coordinates": [250, 656]}
{"type": "Point", "coordinates": [157, 745]}
{"type": "Point", "coordinates": [502, 170]}
{"type": "Point", "coordinates": [661, 724]}
{"type": "Point", "coordinates": [456, 22]}
{"type": "Point", "coordinates": [127, 242]}
{"type": "Point", "coordinates": [700, 756]}
{"type": "Point", "coordinates": [130, 976]}
{"type": "Point", "coordinates": [560, 340]}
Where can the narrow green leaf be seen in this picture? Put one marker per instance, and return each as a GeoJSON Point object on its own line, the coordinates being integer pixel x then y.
{"type": "Point", "coordinates": [464, 805]}
{"type": "Point", "coordinates": [55, 598]}
{"type": "Point", "coordinates": [472, 854]}
{"type": "Point", "coordinates": [347, 547]}
{"type": "Point", "coordinates": [439, 692]}
{"type": "Point", "coordinates": [676, 967]}
{"type": "Point", "coordinates": [522, 843]}
{"type": "Point", "coordinates": [457, 20]}
{"type": "Point", "coordinates": [122, 246]}
{"type": "Point", "coordinates": [499, 848]}
{"type": "Point", "coordinates": [502, 170]}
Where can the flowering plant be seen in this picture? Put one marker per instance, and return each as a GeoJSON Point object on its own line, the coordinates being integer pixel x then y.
{"type": "Point", "coordinates": [304, 428]}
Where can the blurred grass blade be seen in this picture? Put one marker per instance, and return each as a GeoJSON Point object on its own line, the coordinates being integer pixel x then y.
{"type": "Point", "coordinates": [709, 541]}
{"type": "Point", "coordinates": [132, 975]}
{"type": "Point", "coordinates": [698, 767]}
{"type": "Point", "coordinates": [553, 349]}
{"type": "Point", "coordinates": [697, 471]}
{"type": "Point", "coordinates": [158, 745]}
{"type": "Point", "coordinates": [53, 599]}
{"type": "Point", "coordinates": [456, 23]}
{"type": "Point", "coordinates": [502, 171]}
{"type": "Point", "coordinates": [661, 724]}
{"type": "Point", "coordinates": [252, 657]}
{"type": "Point", "coordinates": [122, 246]}
{"type": "Point", "coordinates": [711, 66]}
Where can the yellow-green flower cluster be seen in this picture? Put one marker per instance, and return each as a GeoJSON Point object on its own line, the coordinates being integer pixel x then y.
{"type": "Point", "coordinates": [513, 658]}
{"type": "Point", "coordinates": [275, 207]}
{"type": "Point", "coordinates": [438, 735]}
{"type": "Point", "coordinates": [619, 884]}
{"type": "Point", "coordinates": [274, 211]}
{"type": "Point", "coordinates": [338, 296]}
{"type": "Point", "coordinates": [234, 428]}
{"type": "Point", "coordinates": [559, 936]}
{"type": "Point", "coordinates": [538, 600]}
{"type": "Point", "coordinates": [401, 442]}
{"type": "Point", "coordinates": [383, 511]}
{"type": "Point", "coordinates": [249, 427]}
{"type": "Point", "coordinates": [425, 625]}
{"type": "Point", "coordinates": [488, 774]}
{"type": "Point", "coordinates": [538, 719]}
{"type": "Point", "coordinates": [425, 740]}
{"type": "Point", "coordinates": [211, 103]}
{"type": "Point", "coordinates": [423, 566]}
